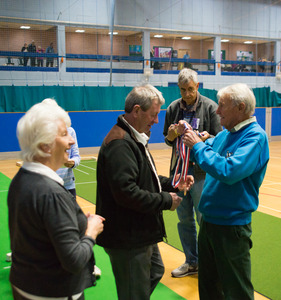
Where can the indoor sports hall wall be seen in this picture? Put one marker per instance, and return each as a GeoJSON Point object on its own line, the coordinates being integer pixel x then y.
{"type": "Point", "coordinates": [92, 127]}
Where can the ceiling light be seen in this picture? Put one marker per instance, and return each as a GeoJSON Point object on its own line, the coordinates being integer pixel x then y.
{"type": "Point", "coordinates": [80, 30]}
{"type": "Point", "coordinates": [224, 41]}
{"type": "Point", "coordinates": [114, 33]}
{"type": "Point", "coordinates": [158, 35]}
{"type": "Point", "coordinates": [186, 38]}
{"type": "Point", "coordinates": [25, 27]}
{"type": "Point", "coordinates": [248, 42]}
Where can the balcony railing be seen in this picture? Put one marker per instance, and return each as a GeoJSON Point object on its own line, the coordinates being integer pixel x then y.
{"type": "Point", "coordinates": [26, 61]}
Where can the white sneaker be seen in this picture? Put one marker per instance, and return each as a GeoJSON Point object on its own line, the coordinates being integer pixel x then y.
{"type": "Point", "coordinates": [97, 272]}
{"type": "Point", "coordinates": [184, 270]}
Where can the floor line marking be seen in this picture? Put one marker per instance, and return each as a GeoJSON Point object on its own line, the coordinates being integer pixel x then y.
{"type": "Point", "coordinates": [270, 208]}
{"type": "Point", "coordinates": [87, 167]}
{"type": "Point", "coordinates": [85, 182]}
{"type": "Point", "coordinates": [82, 171]}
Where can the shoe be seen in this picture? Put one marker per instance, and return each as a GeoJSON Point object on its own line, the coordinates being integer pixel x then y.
{"type": "Point", "coordinates": [97, 272]}
{"type": "Point", "coordinates": [184, 270]}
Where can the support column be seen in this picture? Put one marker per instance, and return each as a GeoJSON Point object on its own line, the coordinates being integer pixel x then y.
{"type": "Point", "coordinates": [61, 49]}
{"type": "Point", "coordinates": [217, 55]}
{"type": "Point", "coordinates": [146, 48]}
{"type": "Point", "coordinates": [277, 56]}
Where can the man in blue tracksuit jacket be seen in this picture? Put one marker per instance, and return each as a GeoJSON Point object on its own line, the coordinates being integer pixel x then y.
{"type": "Point", "coordinates": [235, 162]}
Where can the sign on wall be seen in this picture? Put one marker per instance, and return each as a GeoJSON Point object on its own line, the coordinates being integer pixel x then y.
{"type": "Point", "coordinates": [135, 50]}
{"type": "Point", "coordinates": [163, 52]}
{"type": "Point", "coordinates": [245, 55]}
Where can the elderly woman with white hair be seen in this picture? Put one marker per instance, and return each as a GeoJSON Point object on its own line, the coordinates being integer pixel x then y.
{"type": "Point", "coordinates": [51, 238]}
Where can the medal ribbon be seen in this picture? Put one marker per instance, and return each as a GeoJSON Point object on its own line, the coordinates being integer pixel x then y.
{"type": "Point", "coordinates": [183, 161]}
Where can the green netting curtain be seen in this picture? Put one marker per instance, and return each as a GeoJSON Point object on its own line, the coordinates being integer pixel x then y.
{"type": "Point", "coordinates": [85, 98]}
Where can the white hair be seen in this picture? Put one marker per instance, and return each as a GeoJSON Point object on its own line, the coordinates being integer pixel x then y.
{"type": "Point", "coordinates": [39, 126]}
{"type": "Point", "coordinates": [187, 75]}
{"type": "Point", "coordinates": [143, 95]}
{"type": "Point", "coordinates": [240, 93]}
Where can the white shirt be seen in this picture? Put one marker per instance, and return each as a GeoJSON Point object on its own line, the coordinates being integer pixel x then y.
{"type": "Point", "coordinates": [143, 138]}
{"type": "Point", "coordinates": [39, 168]}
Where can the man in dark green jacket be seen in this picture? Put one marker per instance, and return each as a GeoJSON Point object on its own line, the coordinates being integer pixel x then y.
{"type": "Point", "coordinates": [200, 112]}
{"type": "Point", "coordinates": [131, 197]}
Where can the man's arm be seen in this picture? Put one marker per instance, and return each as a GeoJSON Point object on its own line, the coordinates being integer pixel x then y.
{"type": "Point", "coordinates": [228, 169]}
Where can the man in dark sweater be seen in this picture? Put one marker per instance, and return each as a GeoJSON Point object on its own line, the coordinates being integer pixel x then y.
{"type": "Point", "coordinates": [131, 197]}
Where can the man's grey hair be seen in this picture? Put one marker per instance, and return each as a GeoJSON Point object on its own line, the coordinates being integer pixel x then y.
{"type": "Point", "coordinates": [39, 126]}
{"type": "Point", "coordinates": [240, 93]}
{"type": "Point", "coordinates": [143, 95]}
{"type": "Point", "coordinates": [186, 75]}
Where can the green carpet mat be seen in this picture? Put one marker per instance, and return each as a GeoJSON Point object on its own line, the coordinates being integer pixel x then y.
{"type": "Point", "coordinates": [266, 254]}
{"type": "Point", "coordinates": [5, 288]}
{"type": "Point", "coordinates": [105, 288]}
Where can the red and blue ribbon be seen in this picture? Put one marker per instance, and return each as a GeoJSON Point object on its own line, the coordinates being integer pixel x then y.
{"type": "Point", "coordinates": [183, 162]}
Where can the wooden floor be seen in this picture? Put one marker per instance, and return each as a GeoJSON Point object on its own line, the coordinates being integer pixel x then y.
{"type": "Point", "coordinates": [270, 194]}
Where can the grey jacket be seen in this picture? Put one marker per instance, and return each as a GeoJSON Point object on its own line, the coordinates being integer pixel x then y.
{"type": "Point", "coordinates": [209, 121]}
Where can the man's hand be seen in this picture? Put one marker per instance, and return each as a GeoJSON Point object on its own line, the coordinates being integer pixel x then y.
{"type": "Point", "coordinates": [172, 132]}
{"type": "Point", "coordinates": [190, 138]}
{"type": "Point", "coordinates": [183, 126]}
{"type": "Point", "coordinates": [204, 135]}
{"type": "Point", "coordinates": [185, 185]}
{"type": "Point", "coordinates": [176, 201]}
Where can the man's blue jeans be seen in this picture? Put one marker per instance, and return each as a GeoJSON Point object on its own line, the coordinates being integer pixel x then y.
{"type": "Point", "coordinates": [186, 226]}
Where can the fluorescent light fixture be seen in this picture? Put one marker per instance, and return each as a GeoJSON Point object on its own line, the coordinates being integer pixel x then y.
{"type": "Point", "coordinates": [25, 27]}
{"type": "Point", "coordinates": [158, 35]}
{"type": "Point", "coordinates": [248, 42]}
{"type": "Point", "coordinates": [224, 41]}
{"type": "Point", "coordinates": [186, 38]}
{"type": "Point", "coordinates": [80, 30]}
{"type": "Point", "coordinates": [114, 33]}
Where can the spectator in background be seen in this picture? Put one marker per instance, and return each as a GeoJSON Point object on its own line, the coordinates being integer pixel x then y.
{"type": "Point", "coordinates": [40, 59]}
{"type": "Point", "coordinates": [235, 162]}
{"type": "Point", "coordinates": [25, 58]}
{"type": "Point", "coordinates": [154, 64]}
{"type": "Point", "coordinates": [151, 55]}
{"type": "Point", "coordinates": [186, 63]}
{"type": "Point", "coordinates": [32, 49]}
{"type": "Point", "coordinates": [199, 111]}
{"type": "Point", "coordinates": [66, 173]}
{"type": "Point", "coordinates": [272, 68]}
{"type": "Point", "coordinates": [51, 238]}
{"type": "Point", "coordinates": [50, 60]}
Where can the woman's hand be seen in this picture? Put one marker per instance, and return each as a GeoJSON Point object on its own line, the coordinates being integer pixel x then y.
{"type": "Point", "coordinates": [69, 164]}
{"type": "Point", "coordinates": [95, 225]}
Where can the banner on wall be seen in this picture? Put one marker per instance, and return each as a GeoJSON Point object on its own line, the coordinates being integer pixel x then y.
{"type": "Point", "coordinates": [245, 55]}
{"type": "Point", "coordinates": [211, 54]}
{"type": "Point", "coordinates": [163, 52]}
{"type": "Point", "coordinates": [135, 50]}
